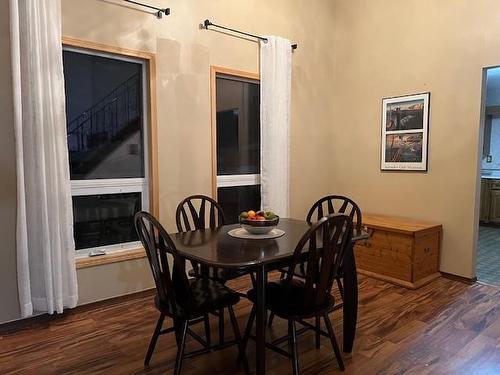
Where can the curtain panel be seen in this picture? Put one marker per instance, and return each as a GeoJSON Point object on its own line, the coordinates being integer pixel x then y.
{"type": "Point", "coordinates": [45, 246]}
{"type": "Point", "coordinates": [275, 94]}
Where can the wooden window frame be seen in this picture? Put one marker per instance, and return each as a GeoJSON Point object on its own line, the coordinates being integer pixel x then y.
{"type": "Point", "coordinates": [214, 70]}
{"type": "Point", "coordinates": [150, 61]}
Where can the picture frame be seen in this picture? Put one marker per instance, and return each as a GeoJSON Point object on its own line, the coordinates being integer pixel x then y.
{"type": "Point", "coordinates": [405, 133]}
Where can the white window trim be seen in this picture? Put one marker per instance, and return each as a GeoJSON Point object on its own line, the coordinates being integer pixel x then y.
{"type": "Point", "coordinates": [109, 186]}
{"type": "Point", "coordinates": [238, 180]}
{"type": "Point", "coordinates": [120, 185]}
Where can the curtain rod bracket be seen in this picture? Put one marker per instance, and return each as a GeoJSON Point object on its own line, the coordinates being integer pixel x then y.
{"type": "Point", "coordinates": [159, 11]}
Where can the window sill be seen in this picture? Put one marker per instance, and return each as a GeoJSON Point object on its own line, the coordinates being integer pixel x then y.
{"type": "Point", "coordinates": [118, 256]}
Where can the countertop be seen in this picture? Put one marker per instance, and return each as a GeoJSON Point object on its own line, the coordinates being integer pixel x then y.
{"type": "Point", "coordinates": [491, 174]}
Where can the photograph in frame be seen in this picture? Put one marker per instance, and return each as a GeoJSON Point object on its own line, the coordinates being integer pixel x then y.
{"type": "Point", "coordinates": [405, 125]}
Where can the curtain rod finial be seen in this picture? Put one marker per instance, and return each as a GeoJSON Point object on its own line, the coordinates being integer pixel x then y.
{"type": "Point", "coordinates": [160, 13]}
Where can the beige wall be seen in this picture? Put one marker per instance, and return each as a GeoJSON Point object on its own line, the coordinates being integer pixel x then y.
{"type": "Point", "coordinates": [112, 280]}
{"type": "Point", "coordinates": [390, 47]}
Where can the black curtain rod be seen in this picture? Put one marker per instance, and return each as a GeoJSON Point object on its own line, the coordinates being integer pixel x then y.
{"type": "Point", "coordinates": [159, 12]}
{"type": "Point", "coordinates": [207, 23]}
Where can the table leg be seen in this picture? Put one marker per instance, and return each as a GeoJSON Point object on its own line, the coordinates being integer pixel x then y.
{"type": "Point", "coordinates": [350, 299]}
{"type": "Point", "coordinates": [260, 306]}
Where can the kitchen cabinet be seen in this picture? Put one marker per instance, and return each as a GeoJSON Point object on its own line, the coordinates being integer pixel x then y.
{"type": "Point", "coordinates": [484, 211]}
{"type": "Point", "coordinates": [495, 207]}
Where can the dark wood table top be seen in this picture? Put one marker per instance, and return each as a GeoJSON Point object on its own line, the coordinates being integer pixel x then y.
{"type": "Point", "coordinates": [217, 248]}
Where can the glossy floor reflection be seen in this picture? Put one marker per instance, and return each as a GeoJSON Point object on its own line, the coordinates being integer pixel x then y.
{"type": "Point", "coordinates": [445, 327]}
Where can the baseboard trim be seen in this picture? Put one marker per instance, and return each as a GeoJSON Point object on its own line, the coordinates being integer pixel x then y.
{"type": "Point", "coordinates": [405, 284]}
{"type": "Point", "coordinates": [465, 280]}
{"type": "Point", "coordinates": [28, 323]}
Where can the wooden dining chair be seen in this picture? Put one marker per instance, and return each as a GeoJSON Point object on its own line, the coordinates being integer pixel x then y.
{"type": "Point", "coordinates": [327, 205]}
{"type": "Point", "coordinates": [336, 204]}
{"type": "Point", "coordinates": [198, 212]}
{"type": "Point", "coordinates": [185, 302]}
{"type": "Point", "coordinates": [295, 300]}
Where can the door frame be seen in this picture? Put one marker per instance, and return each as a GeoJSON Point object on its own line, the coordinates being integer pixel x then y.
{"type": "Point", "coordinates": [477, 205]}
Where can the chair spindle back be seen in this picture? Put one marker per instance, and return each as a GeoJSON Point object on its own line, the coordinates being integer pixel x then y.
{"type": "Point", "coordinates": [333, 204]}
{"type": "Point", "coordinates": [326, 243]}
{"type": "Point", "coordinates": [195, 211]}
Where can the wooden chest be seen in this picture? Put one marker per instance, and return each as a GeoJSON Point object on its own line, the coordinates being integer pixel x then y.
{"type": "Point", "coordinates": [400, 251]}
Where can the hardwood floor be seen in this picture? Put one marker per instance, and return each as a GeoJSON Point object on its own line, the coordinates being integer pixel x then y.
{"type": "Point", "coordinates": [446, 327]}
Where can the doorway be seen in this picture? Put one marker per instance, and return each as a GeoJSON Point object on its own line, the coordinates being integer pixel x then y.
{"type": "Point", "coordinates": [488, 253]}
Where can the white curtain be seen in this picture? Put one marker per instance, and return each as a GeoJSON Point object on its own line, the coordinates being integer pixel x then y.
{"type": "Point", "coordinates": [45, 247]}
{"type": "Point", "coordinates": [275, 93]}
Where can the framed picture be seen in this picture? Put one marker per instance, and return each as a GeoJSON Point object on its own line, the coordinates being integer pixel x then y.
{"type": "Point", "coordinates": [405, 126]}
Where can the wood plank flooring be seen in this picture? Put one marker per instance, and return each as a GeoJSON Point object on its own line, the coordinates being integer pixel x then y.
{"type": "Point", "coordinates": [446, 327]}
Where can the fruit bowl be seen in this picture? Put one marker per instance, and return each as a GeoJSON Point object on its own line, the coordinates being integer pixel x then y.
{"type": "Point", "coordinates": [258, 223]}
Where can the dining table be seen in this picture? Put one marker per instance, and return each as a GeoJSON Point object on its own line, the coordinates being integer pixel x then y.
{"type": "Point", "coordinates": [214, 247]}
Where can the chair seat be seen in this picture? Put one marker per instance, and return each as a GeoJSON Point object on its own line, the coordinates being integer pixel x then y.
{"type": "Point", "coordinates": [208, 296]}
{"type": "Point", "coordinates": [289, 301]}
{"type": "Point", "coordinates": [300, 270]}
{"type": "Point", "coordinates": [223, 274]}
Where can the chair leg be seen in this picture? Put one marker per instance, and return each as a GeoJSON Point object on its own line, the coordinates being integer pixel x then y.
{"type": "Point", "coordinates": [221, 326]}
{"type": "Point", "coordinates": [239, 341]}
{"type": "Point", "coordinates": [181, 344]}
{"type": "Point", "coordinates": [154, 338]}
{"type": "Point", "coordinates": [293, 343]}
{"type": "Point", "coordinates": [271, 318]}
{"type": "Point", "coordinates": [341, 288]}
{"type": "Point", "coordinates": [318, 336]}
{"type": "Point", "coordinates": [252, 277]}
{"type": "Point", "coordinates": [206, 320]}
{"type": "Point", "coordinates": [248, 329]}
{"type": "Point", "coordinates": [333, 340]}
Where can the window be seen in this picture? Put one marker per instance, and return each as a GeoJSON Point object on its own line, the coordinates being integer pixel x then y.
{"type": "Point", "coordinates": [108, 148]}
{"type": "Point", "coordinates": [237, 144]}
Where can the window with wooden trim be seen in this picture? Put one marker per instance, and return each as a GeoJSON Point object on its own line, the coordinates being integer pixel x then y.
{"type": "Point", "coordinates": [108, 138]}
{"type": "Point", "coordinates": [237, 143]}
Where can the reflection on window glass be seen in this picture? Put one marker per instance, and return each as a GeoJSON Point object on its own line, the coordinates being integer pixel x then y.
{"type": "Point", "coordinates": [106, 219]}
{"type": "Point", "coordinates": [104, 111]}
{"type": "Point", "coordinates": [236, 199]}
{"type": "Point", "coordinates": [238, 127]}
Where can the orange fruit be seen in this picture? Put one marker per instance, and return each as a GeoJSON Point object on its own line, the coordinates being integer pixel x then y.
{"type": "Point", "coordinates": [251, 213]}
